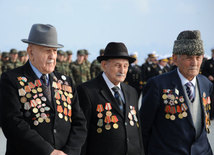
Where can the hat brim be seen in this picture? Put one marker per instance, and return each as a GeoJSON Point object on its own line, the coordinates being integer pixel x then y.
{"type": "Point", "coordinates": [31, 42]}
{"type": "Point", "coordinates": [130, 59]}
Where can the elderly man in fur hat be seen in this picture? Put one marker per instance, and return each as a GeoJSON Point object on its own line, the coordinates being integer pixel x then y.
{"type": "Point", "coordinates": [110, 107]}
{"type": "Point", "coordinates": [175, 107]}
{"type": "Point", "coordinates": [39, 107]}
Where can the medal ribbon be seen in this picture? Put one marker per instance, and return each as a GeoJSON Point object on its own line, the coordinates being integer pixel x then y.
{"type": "Point", "coordinates": [184, 107]}
{"type": "Point", "coordinates": [108, 106]}
{"type": "Point", "coordinates": [107, 119]}
{"type": "Point", "coordinates": [100, 108]}
{"type": "Point", "coordinates": [114, 119]}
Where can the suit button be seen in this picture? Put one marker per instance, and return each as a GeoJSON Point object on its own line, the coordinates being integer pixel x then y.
{"type": "Point", "coordinates": [54, 130]}
{"type": "Point", "coordinates": [125, 123]}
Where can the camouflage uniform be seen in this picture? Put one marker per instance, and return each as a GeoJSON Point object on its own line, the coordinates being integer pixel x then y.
{"type": "Point", "coordinates": [95, 68]}
{"type": "Point", "coordinates": [5, 55]}
{"type": "Point", "coordinates": [80, 72]}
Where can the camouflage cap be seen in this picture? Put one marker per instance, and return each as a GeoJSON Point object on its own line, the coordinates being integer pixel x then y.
{"type": "Point", "coordinates": [80, 52]}
{"type": "Point", "coordinates": [60, 52]}
{"type": "Point", "coordinates": [188, 43]}
{"type": "Point", "coordinates": [5, 54]}
{"type": "Point", "coordinates": [21, 53]}
{"type": "Point", "coordinates": [69, 52]}
{"type": "Point", "coordinates": [86, 52]}
{"type": "Point", "coordinates": [13, 51]}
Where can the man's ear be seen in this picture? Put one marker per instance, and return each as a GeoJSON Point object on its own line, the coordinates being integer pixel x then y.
{"type": "Point", "coordinates": [175, 59]}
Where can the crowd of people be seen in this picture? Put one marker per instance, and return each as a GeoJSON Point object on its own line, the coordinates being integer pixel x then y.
{"type": "Point", "coordinates": [51, 105]}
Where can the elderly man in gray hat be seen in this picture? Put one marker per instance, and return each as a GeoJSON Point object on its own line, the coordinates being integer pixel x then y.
{"type": "Point", "coordinates": [39, 107]}
{"type": "Point", "coordinates": [175, 107]}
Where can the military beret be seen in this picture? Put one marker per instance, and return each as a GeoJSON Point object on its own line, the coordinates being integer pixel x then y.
{"type": "Point", "coordinates": [188, 43]}
{"type": "Point", "coordinates": [13, 51]}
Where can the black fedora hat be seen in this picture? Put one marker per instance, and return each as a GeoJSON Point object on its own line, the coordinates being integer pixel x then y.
{"type": "Point", "coordinates": [43, 35]}
{"type": "Point", "coordinates": [116, 50]}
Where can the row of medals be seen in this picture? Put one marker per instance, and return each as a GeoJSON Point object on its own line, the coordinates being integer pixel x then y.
{"type": "Point", "coordinates": [171, 101]}
{"type": "Point", "coordinates": [32, 97]}
{"type": "Point", "coordinates": [63, 100]}
{"type": "Point", "coordinates": [113, 118]}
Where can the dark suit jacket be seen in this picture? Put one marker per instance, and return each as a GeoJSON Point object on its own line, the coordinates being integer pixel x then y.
{"type": "Point", "coordinates": [124, 140]}
{"type": "Point", "coordinates": [18, 121]}
{"type": "Point", "coordinates": [172, 137]}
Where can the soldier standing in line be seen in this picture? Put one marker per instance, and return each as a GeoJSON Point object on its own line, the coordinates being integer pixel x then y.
{"type": "Point", "coordinates": [208, 71]}
{"type": "Point", "coordinates": [87, 63]}
{"type": "Point", "coordinates": [5, 61]}
{"type": "Point", "coordinates": [13, 61]}
{"type": "Point", "coordinates": [79, 70]}
{"type": "Point", "coordinates": [96, 66]}
{"type": "Point", "coordinates": [21, 57]}
{"type": "Point", "coordinates": [69, 56]}
{"type": "Point", "coordinates": [147, 69]}
{"type": "Point", "coordinates": [134, 76]}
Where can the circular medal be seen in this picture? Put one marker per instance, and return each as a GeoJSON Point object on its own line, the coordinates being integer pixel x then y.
{"type": "Point", "coordinates": [23, 99]}
{"type": "Point", "coordinates": [35, 110]}
{"type": "Point", "coordinates": [180, 116]}
{"type": "Point", "coordinates": [57, 102]}
{"type": "Point", "coordinates": [37, 115]}
{"type": "Point", "coordinates": [43, 99]}
{"type": "Point", "coordinates": [172, 117]}
{"type": "Point", "coordinates": [69, 107]}
{"type": "Point", "coordinates": [42, 110]}
{"type": "Point", "coordinates": [34, 91]}
{"type": "Point", "coordinates": [66, 94]}
{"type": "Point", "coordinates": [47, 120]}
{"type": "Point", "coordinates": [167, 116]}
{"type": "Point", "coordinates": [115, 125]}
{"type": "Point", "coordinates": [28, 95]}
{"type": "Point", "coordinates": [172, 97]}
{"type": "Point", "coordinates": [99, 130]}
{"type": "Point", "coordinates": [131, 123]}
{"type": "Point", "coordinates": [65, 104]}
{"type": "Point", "coordinates": [100, 115]}
{"type": "Point", "coordinates": [108, 113]}
{"type": "Point", "coordinates": [21, 83]}
{"type": "Point", "coordinates": [38, 101]}
{"type": "Point", "coordinates": [108, 126]}
{"type": "Point", "coordinates": [43, 115]}
{"type": "Point", "coordinates": [47, 108]}
{"type": "Point", "coordinates": [39, 89]}
{"type": "Point", "coordinates": [63, 77]}
{"type": "Point", "coordinates": [164, 96]}
{"type": "Point", "coordinates": [176, 102]}
{"type": "Point", "coordinates": [184, 114]}
{"type": "Point", "coordinates": [40, 120]}
{"type": "Point", "coordinates": [60, 115]}
{"type": "Point", "coordinates": [66, 118]}
{"type": "Point", "coordinates": [70, 95]}
{"type": "Point", "coordinates": [36, 123]}
{"type": "Point", "coordinates": [181, 99]}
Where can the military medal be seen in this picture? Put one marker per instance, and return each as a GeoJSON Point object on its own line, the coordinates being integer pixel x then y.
{"type": "Point", "coordinates": [35, 110]}
{"type": "Point", "coordinates": [36, 123]}
{"type": "Point", "coordinates": [100, 110]}
{"type": "Point", "coordinates": [23, 99]}
{"type": "Point", "coordinates": [39, 89]}
{"type": "Point", "coordinates": [63, 77]}
{"type": "Point", "coordinates": [27, 106]}
{"type": "Point", "coordinates": [164, 96]}
{"type": "Point", "coordinates": [99, 130]}
{"type": "Point", "coordinates": [184, 109]}
{"type": "Point", "coordinates": [40, 120]}
{"type": "Point", "coordinates": [47, 120]}
{"type": "Point", "coordinates": [181, 99]}
{"type": "Point", "coordinates": [34, 91]}
{"type": "Point", "coordinates": [107, 121]}
{"type": "Point", "coordinates": [115, 120]}
{"type": "Point", "coordinates": [100, 122]}
{"type": "Point", "coordinates": [21, 92]}
{"type": "Point", "coordinates": [21, 83]}
{"type": "Point", "coordinates": [172, 111]}
{"type": "Point", "coordinates": [108, 108]}
{"type": "Point", "coordinates": [28, 95]}
{"type": "Point", "coordinates": [167, 109]}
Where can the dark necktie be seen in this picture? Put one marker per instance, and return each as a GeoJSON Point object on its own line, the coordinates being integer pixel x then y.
{"type": "Point", "coordinates": [189, 91]}
{"type": "Point", "coordinates": [118, 97]}
{"type": "Point", "coordinates": [46, 90]}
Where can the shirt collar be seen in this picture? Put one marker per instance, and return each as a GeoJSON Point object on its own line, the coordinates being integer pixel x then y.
{"type": "Point", "coordinates": [184, 80]}
{"type": "Point", "coordinates": [108, 82]}
{"type": "Point", "coordinates": [36, 71]}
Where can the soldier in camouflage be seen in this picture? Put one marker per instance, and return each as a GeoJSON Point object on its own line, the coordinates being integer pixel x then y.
{"type": "Point", "coordinates": [21, 57]}
{"type": "Point", "coordinates": [96, 66]}
{"type": "Point", "coordinates": [87, 63]}
{"type": "Point", "coordinates": [5, 61]}
{"type": "Point", "coordinates": [79, 70]}
{"type": "Point", "coordinates": [69, 56]}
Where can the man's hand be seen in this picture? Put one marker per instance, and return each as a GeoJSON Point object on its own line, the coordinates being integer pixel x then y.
{"type": "Point", "coordinates": [57, 152]}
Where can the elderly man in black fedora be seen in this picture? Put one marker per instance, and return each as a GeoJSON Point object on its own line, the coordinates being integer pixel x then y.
{"type": "Point", "coordinates": [39, 108]}
{"type": "Point", "coordinates": [110, 107]}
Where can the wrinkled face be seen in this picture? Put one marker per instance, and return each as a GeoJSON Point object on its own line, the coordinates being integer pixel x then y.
{"type": "Point", "coordinates": [115, 69]}
{"type": "Point", "coordinates": [43, 58]}
{"type": "Point", "coordinates": [189, 66]}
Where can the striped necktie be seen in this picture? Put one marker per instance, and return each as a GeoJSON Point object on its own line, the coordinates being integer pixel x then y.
{"type": "Point", "coordinates": [118, 97]}
{"type": "Point", "coordinates": [189, 85]}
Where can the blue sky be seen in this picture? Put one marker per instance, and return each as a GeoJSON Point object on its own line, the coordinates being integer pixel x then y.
{"type": "Point", "coordinates": [143, 25]}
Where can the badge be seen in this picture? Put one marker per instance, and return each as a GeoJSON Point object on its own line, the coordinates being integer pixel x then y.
{"type": "Point", "coordinates": [38, 101]}
{"type": "Point", "coordinates": [108, 113]}
{"type": "Point", "coordinates": [60, 115]}
{"type": "Point", "coordinates": [28, 95]}
{"type": "Point", "coordinates": [184, 114]}
{"type": "Point", "coordinates": [172, 117]}
{"type": "Point", "coordinates": [100, 123]}
{"type": "Point", "coordinates": [131, 123]}
{"type": "Point", "coordinates": [107, 126]}
{"type": "Point", "coordinates": [164, 96]}
{"type": "Point", "coordinates": [21, 92]}
{"type": "Point", "coordinates": [63, 77]}
{"type": "Point", "coordinates": [115, 126]}
{"type": "Point", "coordinates": [35, 110]}
{"type": "Point", "coordinates": [167, 116]}
{"type": "Point", "coordinates": [23, 99]}
{"type": "Point", "coordinates": [39, 89]}
{"type": "Point", "coordinates": [47, 120]}
{"type": "Point", "coordinates": [21, 83]}
{"type": "Point", "coordinates": [36, 123]}
{"type": "Point", "coordinates": [180, 116]}
{"type": "Point", "coordinates": [42, 109]}
{"type": "Point", "coordinates": [99, 130]}
{"type": "Point", "coordinates": [34, 91]}
{"type": "Point", "coordinates": [40, 120]}
{"type": "Point", "coordinates": [27, 106]}
{"type": "Point", "coordinates": [43, 99]}
{"type": "Point", "coordinates": [176, 91]}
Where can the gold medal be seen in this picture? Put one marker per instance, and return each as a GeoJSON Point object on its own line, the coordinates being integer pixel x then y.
{"type": "Point", "coordinates": [108, 126]}
{"type": "Point", "coordinates": [66, 94]}
{"type": "Point", "coordinates": [180, 116]}
{"type": "Point", "coordinates": [23, 99]}
{"type": "Point", "coordinates": [100, 115]}
{"type": "Point", "coordinates": [115, 125]}
{"type": "Point", "coordinates": [167, 116]}
{"type": "Point", "coordinates": [164, 96]}
{"type": "Point", "coordinates": [35, 110]}
{"type": "Point", "coordinates": [21, 83]}
{"type": "Point", "coordinates": [70, 95]}
{"type": "Point", "coordinates": [60, 115]}
{"type": "Point", "coordinates": [40, 120]}
{"type": "Point", "coordinates": [66, 118]}
{"type": "Point", "coordinates": [172, 117]}
{"type": "Point", "coordinates": [28, 95]}
{"type": "Point", "coordinates": [99, 130]}
{"type": "Point", "coordinates": [36, 123]}
{"type": "Point", "coordinates": [108, 113]}
{"type": "Point", "coordinates": [47, 120]}
{"type": "Point", "coordinates": [39, 89]}
{"type": "Point", "coordinates": [34, 91]}
{"type": "Point", "coordinates": [38, 101]}
{"type": "Point", "coordinates": [184, 114]}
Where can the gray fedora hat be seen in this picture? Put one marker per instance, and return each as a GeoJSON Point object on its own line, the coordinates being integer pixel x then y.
{"type": "Point", "coordinates": [43, 35]}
